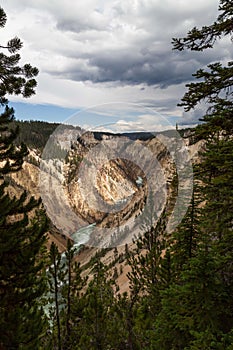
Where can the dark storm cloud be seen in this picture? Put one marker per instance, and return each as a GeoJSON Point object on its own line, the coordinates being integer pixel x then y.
{"type": "Point", "coordinates": [131, 44]}
{"type": "Point", "coordinates": [125, 43]}
{"type": "Point", "coordinates": [135, 68]}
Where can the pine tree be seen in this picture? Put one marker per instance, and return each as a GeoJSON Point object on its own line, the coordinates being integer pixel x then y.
{"type": "Point", "coordinates": [195, 308]}
{"type": "Point", "coordinates": [215, 171]}
{"type": "Point", "coordinates": [56, 271]}
{"type": "Point", "coordinates": [98, 299]}
{"type": "Point", "coordinates": [21, 238]}
{"type": "Point", "coordinates": [217, 175]}
{"type": "Point", "coordinates": [72, 292]}
{"type": "Point", "coordinates": [215, 85]}
{"type": "Point", "coordinates": [184, 240]}
{"type": "Point", "coordinates": [69, 259]}
{"type": "Point", "coordinates": [65, 299]}
{"type": "Point", "coordinates": [14, 79]}
{"type": "Point", "coordinates": [124, 318]}
{"type": "Point", "coordinates": [149, 273]}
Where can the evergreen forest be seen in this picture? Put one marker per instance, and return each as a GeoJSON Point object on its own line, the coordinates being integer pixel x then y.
{"type": "Point", "coordinates": [181, 287]}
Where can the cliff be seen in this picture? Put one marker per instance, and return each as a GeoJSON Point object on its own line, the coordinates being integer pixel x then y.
{"type": "Point", "coordinates": [105, 180]}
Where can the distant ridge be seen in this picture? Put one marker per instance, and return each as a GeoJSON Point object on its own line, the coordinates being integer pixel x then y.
{"type": "Point", "coordinates": [35, 134]}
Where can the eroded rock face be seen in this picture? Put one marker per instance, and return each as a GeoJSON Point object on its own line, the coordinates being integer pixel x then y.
{"type": "Point", "coordinates": [106, 184]}
{"type": "Point", "coordinates": [119, 182]}
{"type": "Point", "coordinates": [28, 177]}
{"type": "Point", "coordinates": [113, 184]}
{"type": "Point", "coordinates": [107, 190]}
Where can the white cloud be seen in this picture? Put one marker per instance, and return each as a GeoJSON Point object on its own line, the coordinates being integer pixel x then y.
{"type": "Point", "coordinates": [92, 52]}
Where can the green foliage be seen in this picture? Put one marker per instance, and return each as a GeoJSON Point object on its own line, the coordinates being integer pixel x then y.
{"type": "Point", "coordinates": [98, 299]}
{"type": "Point", "coordinates": [64, 298]}
{"type": "Point", "coordinates": [56, 270]}
{"type": "Point", "coordinates": [34, 134]}
{"type": "Point", "coordinates": [215, 86]}
{"type": "Point", "coordinates": [22, 225]}
{"type": "Point", "coordinates": [204, 38]}
{"type": "Point", "coordinates": [21, 281]}
{"type": "Point", "coordinates": [195, 307]}
{"type": "Point", "coordinates": [14, 79]}
{"type": "Point", "coordinates": [184, 240]}
{"type": "Point", "coordinates": [11, 157]}
{"type": "Point", "coordinates": [180, 285]}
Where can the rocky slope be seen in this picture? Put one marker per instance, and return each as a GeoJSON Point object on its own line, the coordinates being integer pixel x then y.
{"type": "Point", "coordinates": [105, 180]}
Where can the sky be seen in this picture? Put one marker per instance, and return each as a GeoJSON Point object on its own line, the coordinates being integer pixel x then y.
{"type": "Point", "coordinates": [110, 61]}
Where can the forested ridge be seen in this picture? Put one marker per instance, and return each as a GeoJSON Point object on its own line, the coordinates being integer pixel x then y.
{"type": "Point", "coordinates": [34, 133]}
{"type": "Point", "coordinates": [181, 283]}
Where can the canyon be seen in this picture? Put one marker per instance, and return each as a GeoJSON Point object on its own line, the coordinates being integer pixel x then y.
{"type": "Point", "coordinates": [97, 188]}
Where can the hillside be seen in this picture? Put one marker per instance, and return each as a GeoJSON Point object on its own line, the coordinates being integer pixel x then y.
{"type": "Point", "coordinates": [117, 183]}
